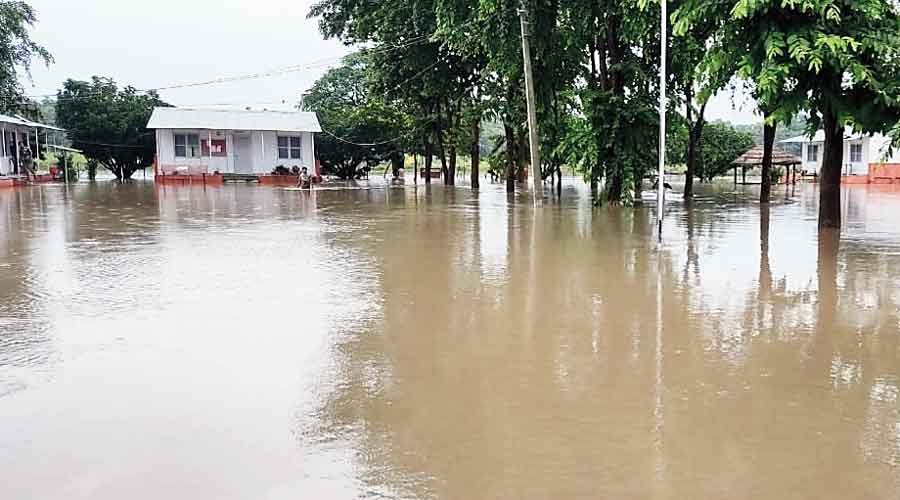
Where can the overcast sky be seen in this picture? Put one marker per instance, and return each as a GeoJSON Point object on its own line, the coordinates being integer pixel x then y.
{"type": "Point", "coordinates": [169, 42]}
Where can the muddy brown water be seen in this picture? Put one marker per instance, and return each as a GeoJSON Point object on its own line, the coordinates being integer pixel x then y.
{"type": "Point", "coordinates": [247, 342]}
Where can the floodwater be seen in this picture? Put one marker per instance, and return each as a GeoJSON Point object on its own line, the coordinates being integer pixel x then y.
{"type": "Point", "coordinates": [247, 342]}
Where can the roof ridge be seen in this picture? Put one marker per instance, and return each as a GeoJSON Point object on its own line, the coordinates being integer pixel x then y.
{"type": "Point", "coordinates": [236, 110]}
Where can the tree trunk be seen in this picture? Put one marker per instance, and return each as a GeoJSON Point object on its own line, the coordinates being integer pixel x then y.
{"type": "Point", "coordinates": [691, 155]}
{"type": "Point", "coordinates": [443, 155]}
{"type": "Point", "coordinates": [765, 189]}
{"type": "Point", "coordinates": [428, 159]}
{"type": "Point", "coordinates": [396, 164]}
{"type": "Point", "coordinates": [510, 158]}
{"type": "Point", "coordinates": [559, 183]}
{"type": "Point", "coordinates": [523, 155]}
{"type": "Point", "coordinates": [695, 139]}
{"type": "Point", "coordinates": [451, 165]}
{"type": "Point", "coordinates": [475, 152]}
{"type": "Point", "coordinates": [614, 191]}
{"type": "Point", "coordinates": [638, 184]}
{"type": "Point", "coordinates": [830, 180]}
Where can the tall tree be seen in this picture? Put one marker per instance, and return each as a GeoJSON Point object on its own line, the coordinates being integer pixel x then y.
{"type": "Point", "coordinates": [109, 124]}
{"type": "Point", "coordinates": [695, 82]}
{"type": "Point", "coordinates": [840, 59]}
{"type": "Point", "coordinates": [359, 127]}
{"type": "Point", "coordinates": [17, 50]}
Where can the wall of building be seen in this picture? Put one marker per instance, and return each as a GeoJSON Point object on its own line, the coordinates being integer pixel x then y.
{"type": "Point", "coordinates": [871, 147]}
{"type": "Point", "coordinates": [6, 162]}
{"type": "Point", "coordinates": [203, 164]}
{"type": "Point", "coordinates": [263, 151]}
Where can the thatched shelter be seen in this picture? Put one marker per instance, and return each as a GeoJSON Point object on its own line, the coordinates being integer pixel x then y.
{"type": "Point", "coordinates": [754, 157]}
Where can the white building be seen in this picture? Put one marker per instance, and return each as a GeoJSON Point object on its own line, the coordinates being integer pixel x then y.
{"type": "Point", "coordinates": [16, 131]}
{"type": "Point", "coordinates": [201, 141]}
{"type": "Point", "coordinates": [860, 151]}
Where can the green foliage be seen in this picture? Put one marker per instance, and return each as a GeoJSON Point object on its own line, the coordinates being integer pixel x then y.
{"type": "Point", "coordinates": [68, 164]}
{"type": "Point", "coordinates": [17, 50]}
{"type": "Point", "coordinates": [109, 124]}
{"type": "Point", "coordinates": [721, 145]}
{"type": "Point", "coordinates": [359, 126]}
{"type": "Point", "coordinates": [446, 63]}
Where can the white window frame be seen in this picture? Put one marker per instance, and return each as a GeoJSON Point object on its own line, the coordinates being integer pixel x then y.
{"type": "Point", "coordinates": [290, 148]}
{"type": "Point", "coordinates": [191, 151]}
{"type": "Point", "coordinates": [810, 149]}
{"type": "Point", "coordinates": [856, 148]}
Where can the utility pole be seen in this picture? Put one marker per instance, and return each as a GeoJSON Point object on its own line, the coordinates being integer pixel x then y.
{"type": "Point", "coordinates": [532, 116]}
{"type": "Point", "coordinates": [661, 180]}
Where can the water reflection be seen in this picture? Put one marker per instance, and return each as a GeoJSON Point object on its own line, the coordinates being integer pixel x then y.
{"type": "Point", "coordinates": [433, 343]}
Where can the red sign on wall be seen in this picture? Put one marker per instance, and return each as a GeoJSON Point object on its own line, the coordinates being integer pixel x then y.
{"type": "Point", "coordinates": [218, 147]}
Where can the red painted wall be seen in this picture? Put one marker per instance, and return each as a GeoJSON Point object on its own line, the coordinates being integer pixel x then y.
{"type": "Point", "coordinates": [884, 173]}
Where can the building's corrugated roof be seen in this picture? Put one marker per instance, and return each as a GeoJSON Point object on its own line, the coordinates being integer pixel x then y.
{"type": "Point", "coordinates": [18, 120]}
{"type": "Point", "coordinates": [12, 120]}
{"type": "Point", "coordinates": [218, 119]}
{"type": "Point", "coordinates": [820, 137]}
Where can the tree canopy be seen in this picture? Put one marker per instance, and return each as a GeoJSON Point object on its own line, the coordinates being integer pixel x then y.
{"type": "Point", "coordinates": [109, 124]}
{"type": "Point", "coordinates": [447, 65]}
{"type": "Point", "coordinates": [17, 51]}
{"type": "Point", "coordinates": [358, 127]}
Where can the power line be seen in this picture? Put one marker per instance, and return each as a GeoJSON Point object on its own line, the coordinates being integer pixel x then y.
{"type": "Point", "coordinates": [279, 71]}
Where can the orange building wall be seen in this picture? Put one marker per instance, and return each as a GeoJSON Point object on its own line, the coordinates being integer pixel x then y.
{"type": "Point", "coordinates": [884, 173]}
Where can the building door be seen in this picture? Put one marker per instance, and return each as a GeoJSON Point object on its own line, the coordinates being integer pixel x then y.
{"type": "Point", "coordinates": [243, 154]}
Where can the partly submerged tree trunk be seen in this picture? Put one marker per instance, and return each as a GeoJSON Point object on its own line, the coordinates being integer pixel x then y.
{"type": "Point", "coordinates": [830, 180]}
{"type": "Point", "coordinates": [428, 158]}
{"type": "Point", "coordinates": [765, 190]}
{"type": "Point", "coordinates": [523, 156]}
{"type": "Point", "coordinates": [695, 133]}
{"type": "Point", "coordinates": [616, 184]}
{"type": "Point", "coordinates": [559, 181]}
{"type": "Point", "coordinates": [396, 164]}
{"type": "Point", "coordinates": [439, 137]}
{"type": "Point", "coordinates": [451, 165]}
{"type": "Point", "coordinates": [475, 152]}
{"type": "Point", "coordinates": [510, 158]}
{"type": "Point", "coordinates": [691, 154]}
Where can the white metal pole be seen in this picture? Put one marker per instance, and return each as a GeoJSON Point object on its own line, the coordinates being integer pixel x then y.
{"type": "Point", "coordinates": [661, 181]}
{"type": "Point", "coordinates": [66, 168]}
{"type": "Point", "coordinates": [37, 151]}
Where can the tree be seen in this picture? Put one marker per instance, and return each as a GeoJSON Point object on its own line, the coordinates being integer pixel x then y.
{"type": "Point", "coordinates": [17, 50]}
{"type": "Point", "coordinates": [109, 124]}
{"type": "Point", "coordinates": [722, 146]}
{"type": "Point", "coordinates": [696, 82]}
{"type": "Point", "coordinates": [838, 59]}
{"type": "Point", "coordinates": [359, 127]}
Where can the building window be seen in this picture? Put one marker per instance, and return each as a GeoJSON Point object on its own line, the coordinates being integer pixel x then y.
{"type": "Point", "coordinates": [187, 146]}
{"type": "Point", "coordinates": [856, 153]}
{"type": "Point", "coordinates": [289, 148]}
{"type": "Point", "coordinates": [812, 152]}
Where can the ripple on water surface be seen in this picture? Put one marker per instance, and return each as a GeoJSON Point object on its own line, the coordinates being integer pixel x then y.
{"type": "Point", "coordinates": [251, 342]}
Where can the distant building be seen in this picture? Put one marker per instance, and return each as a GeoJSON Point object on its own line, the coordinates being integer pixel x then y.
{"type": "Point", "coordinates": [202, 142]}
{"type": "Point", "coordinates": [16, 131]}
{"type": "Point", "coordinates": [860, 150]}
